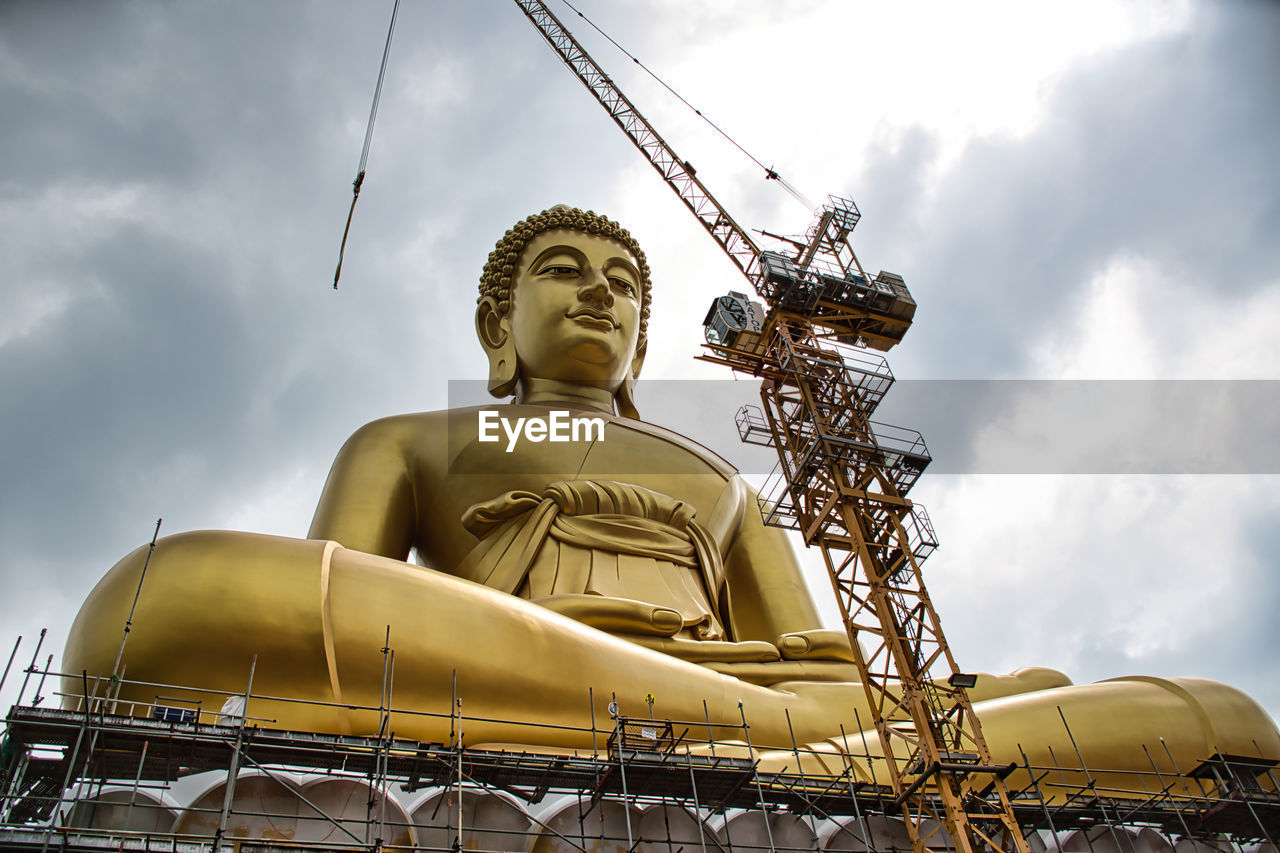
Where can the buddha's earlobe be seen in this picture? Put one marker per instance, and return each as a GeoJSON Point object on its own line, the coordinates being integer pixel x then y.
{"type": "Point", "coordinates": [624, 397]}
{"type": "Point", "coordinates": [494, 334]}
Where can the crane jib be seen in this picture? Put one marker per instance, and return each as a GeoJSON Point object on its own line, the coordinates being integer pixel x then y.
{"type": "Point", "coordinates": [677, 172]}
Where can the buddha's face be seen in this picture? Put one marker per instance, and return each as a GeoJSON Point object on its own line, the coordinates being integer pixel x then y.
{"type": "Point", "coordinates": [575, 309]}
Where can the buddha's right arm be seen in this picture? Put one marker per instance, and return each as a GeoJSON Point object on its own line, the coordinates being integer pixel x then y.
{"type": "Point", "coordinates": [368, 501]}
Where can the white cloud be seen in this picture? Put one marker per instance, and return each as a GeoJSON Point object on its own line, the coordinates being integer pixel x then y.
{"type": "Point", "coordinates": [1050, 570]}
{"type": "Point", "coordinates": [31, 310]}
{"type": "Point", "coordinates": [820, 86]}
{"type": "Point", "coordinates": [1136, 320]}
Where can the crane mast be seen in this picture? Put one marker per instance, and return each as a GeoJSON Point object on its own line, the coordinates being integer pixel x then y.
{"type": "Point", "coordinates": [842, 478]}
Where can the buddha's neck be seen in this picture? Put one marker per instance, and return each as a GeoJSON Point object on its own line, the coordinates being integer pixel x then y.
{"type": "Point", "coordinates": [572, 394]}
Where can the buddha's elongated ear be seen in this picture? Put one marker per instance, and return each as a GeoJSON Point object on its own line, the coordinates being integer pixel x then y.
{"type": "Point", "coordinates": [625, 395]}
{"type": "Point", "coordinates": [494, 332]}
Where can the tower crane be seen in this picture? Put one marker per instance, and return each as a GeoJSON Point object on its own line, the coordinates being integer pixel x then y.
{"type": "Point", "coordinates": [842, 479]}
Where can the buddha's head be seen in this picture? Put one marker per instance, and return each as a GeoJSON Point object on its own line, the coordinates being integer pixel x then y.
{"type": "Point", "coordinates": [564, 297]}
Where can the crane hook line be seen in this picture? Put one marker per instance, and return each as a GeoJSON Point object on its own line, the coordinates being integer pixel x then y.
{"type": "Point", "coordinates": [368, 141]}
{"type": "Point", "coordinates": [769, 173]}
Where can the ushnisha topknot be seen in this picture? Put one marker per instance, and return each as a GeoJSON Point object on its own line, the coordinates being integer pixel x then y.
{"type": "Point", "coordinates": [500, 269]}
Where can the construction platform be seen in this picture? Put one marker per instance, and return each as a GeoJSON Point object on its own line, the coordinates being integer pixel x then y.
{"type": "Point", "coordinates": [88, 779]}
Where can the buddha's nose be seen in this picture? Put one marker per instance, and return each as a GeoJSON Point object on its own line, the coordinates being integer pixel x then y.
{"type": "Point", "coordinates": [596, 288]}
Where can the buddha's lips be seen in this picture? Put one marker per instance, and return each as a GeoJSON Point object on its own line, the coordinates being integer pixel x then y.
{"type": "Point", "coordinates": [594, 315]}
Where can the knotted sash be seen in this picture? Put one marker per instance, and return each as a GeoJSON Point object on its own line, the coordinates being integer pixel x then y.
{"type": "Point", "coordinates": [602, 537]}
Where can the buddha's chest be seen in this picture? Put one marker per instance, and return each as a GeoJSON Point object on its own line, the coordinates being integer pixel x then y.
{"type": "Point", "coordinates": [532, 459]}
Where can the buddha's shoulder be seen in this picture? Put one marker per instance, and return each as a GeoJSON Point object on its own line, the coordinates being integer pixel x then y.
{"type": "Point", "coordinates": [394, 427]}
{"type": "Point", "coordinates": [415, 428]}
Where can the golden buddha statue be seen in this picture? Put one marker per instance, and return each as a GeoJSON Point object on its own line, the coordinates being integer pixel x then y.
{"type": "Point", "coordinates": [569, 555]}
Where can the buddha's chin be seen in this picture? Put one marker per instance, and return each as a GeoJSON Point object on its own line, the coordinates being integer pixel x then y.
{"type": "Point", "coordinates": [591, 359]}
{"type": "Point", "coordinates": [595, 346]}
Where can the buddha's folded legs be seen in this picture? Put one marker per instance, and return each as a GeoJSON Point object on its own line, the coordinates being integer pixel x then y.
{"type": "Point", "coordinates": [316, 616]}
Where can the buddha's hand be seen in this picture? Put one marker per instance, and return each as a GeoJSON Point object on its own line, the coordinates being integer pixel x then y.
{"type": "Point", "coordinates": [817, 644]}
{"type": "Point", "coordinates": [615, 615]}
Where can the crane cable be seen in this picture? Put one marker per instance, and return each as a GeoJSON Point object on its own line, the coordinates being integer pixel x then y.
{"type": "Point", "coordinates": [769, 173]}
{"type": "Point", "coordinates": [368, 139]}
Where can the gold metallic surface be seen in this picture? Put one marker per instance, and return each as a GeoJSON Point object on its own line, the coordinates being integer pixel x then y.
{"type": "Point", "coordinates": [630, 565]}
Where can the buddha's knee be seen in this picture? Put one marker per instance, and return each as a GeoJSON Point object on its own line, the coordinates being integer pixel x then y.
{"type": "Point", "coordinates": [1134, 723]}
{"type": "Point", "coordinates": [207, 603]}
{"type": "Point", "coordinates": [1122, 734]}
{"type": "Point", "coordinates": [1228, 721]}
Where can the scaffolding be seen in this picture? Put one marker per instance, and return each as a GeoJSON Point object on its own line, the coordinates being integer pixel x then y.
{"type": "Point", "coordinates": [93, 773]}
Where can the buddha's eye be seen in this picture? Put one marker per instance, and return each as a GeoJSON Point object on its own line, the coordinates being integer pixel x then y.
{"type": "Point", "coordinates": [623, 285]}
{"type": "Point", "coordinates": [560, 270]}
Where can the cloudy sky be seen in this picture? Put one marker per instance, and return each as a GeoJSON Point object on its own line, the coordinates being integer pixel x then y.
{"type": "Point", "coordinates": [1072, 191]}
